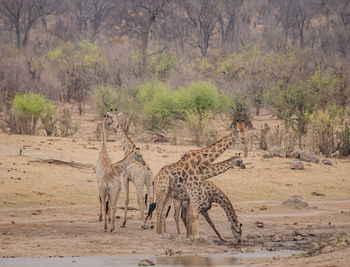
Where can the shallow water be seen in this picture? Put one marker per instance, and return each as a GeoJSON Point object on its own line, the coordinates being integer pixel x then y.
{"type": "Point", "coordinates": [132, 260]}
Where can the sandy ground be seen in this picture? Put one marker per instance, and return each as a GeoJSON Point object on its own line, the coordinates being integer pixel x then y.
{"type": "Point", "coordinates": [51, 210]}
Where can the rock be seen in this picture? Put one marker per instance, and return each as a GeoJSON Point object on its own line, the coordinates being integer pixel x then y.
{"type": "Point", "coordinates": [309, 156]}
{"type": "Point", "coordinates": [259, 224]}
{"type": "Point", "coordinates": [146, 262]}
{"type": "Point", "coordinates": [296, 202]}
{"type": "Point", "coordinates": [326, 249]}
{"type": "Point", "coordinates": [296, 153]}
{"type": "Point", "coordinates": [317, 194]}
{"type": "Point", "coordinates": [276, 238]}
{"type": "Point", "coordinates": [343, 244]}
{"type": "Point", "coordinates": [313, 246]}
{"type": "Point", "coordinates": [267, 155]}
{"type": "Point", "coordinates": [327, 161]}
{"type": "Point", "coordinates": [253, 235]}
{"type": "Point", "coordinates": [277, 151]}
{"type": "Point", "coordinates": [297, 165]}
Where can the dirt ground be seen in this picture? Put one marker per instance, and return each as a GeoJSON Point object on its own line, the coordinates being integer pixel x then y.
{"type": "Point", "coordinates": [51, 210]}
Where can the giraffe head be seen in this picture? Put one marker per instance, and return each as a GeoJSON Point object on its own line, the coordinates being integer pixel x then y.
{"type": "Point", "coordinates": [238, 162]}
{"type": "Point", "coordinates": [236, 229]}
{"type": "Point", "coordinates": [136, 154]}
{"type": "Point", "coordinates": [239, 128]}
{"type": "Point", "coordinates": [111, 122]}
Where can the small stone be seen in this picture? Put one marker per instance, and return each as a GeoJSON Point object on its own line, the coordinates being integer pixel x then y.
{"type": "Point", "coordinates": [296, 201]}
{"type": "Point", "coordinates": [326, 249]}
{"type": "Point", "coordinates": [260, 224]}
{"type": "Point", "coordinates": [253, 235]}
{"type": "Point", "coordinates": [146, 262]}
{"type": "Point", "coordinates": [313, 246]}
{"type": "Point", "coordinates": [276, 238]}
{"type": "Point", "coordinates": [327, 161]}
{"type": "Point", "coordinates": [297, 165]}
{"type": "Point", "coordinates": [309, 156]}
{"type": "Point", "coordinates": [317, 194]}
{"type": "Point", "coordinates": [343, 244]}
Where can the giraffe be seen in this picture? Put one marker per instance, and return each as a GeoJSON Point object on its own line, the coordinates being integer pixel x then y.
{"type": "Point", "coordinates": [180, 207]}
{"type": "Point", "coordinates": [103, 161]}
{"type": "Point", "coordinates": [110, 186]}
{"type": "Point", "coordinates": [211, 194]}
{"type": "Point", "coordinates": [137, 172]}
{"type": "Point", "coordinates": [182, 180]}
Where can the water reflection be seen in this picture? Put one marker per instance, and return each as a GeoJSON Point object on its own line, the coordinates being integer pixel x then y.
{"type": "Point", "coordinates": [222, 259]}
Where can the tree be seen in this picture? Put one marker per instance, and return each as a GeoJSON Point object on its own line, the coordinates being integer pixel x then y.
{"type": "Point", "coordinates": [196, 104]}
{"type": "Point", "coordinates": [92, 15]}
{"type": "Point", "coordinates": [157, 100]}
{"type": "Point", "coordinates": [79, 69]}
{"type": "Point", "coordinates": [138, 18]}
{"type": "Point", "coordinates": [295, 103]}
{"type": "Point", "coordinates": [227, 11]}
{"type": "Point", "coordinates": [22, 15]}
{"type": "Point", "coordinates": [202, 16]}
{"type": "Point", "coordinates": [29, 107]}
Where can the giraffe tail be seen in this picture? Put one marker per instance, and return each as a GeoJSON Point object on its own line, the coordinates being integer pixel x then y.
{"type": "Point", "coordinates": [146, 196]}
{"type": "Point", "coordinates": [152, 207]}
{"type": "Point", "coordinates": [167, 212]}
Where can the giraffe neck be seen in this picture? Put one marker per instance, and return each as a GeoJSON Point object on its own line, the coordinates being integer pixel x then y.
{"type": "Point", "coordinates": [103, 149]}
{"type": "Point", "coordinates": [209, 154]}
{"type": "Point", "coordinates": [121, 165]}
{"type": "Point", "coordinates": [218, 168]}
{"type": "Point", "coordinates": [220, 198]}
{"type": "Point", "coordinates": [124, 140]}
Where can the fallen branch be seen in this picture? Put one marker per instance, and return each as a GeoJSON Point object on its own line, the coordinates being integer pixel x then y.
{"type": "Point", "coordinates": [70, 163]}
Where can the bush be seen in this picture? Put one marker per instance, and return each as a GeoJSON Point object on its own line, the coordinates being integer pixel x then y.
{"type": "Point", "coordinates": [196, 104]}
{"type": "Point", "coordinates": [158, 104]}
{"type": "Point", "coordinates": [49, 120]}
{"type": "Point", "coordinates": [67, 127]}
{"type": "Point", "coordinates": [239, 110]}
{"type": "Point", "coordinates": [29, 107]}
{"type": "Point", "coordinates": [104, 97]}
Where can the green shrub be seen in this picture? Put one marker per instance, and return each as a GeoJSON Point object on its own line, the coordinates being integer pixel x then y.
{"type": "Point", "coordinates": [196, 105]}
{"type": "Point", "coordinates": [29, 107]}
{"type": "Point", "coordinates": [158, 104]}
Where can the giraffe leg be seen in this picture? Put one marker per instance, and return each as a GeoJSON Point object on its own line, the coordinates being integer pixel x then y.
{"type": "Point", "coordinates": [177, 209]}
{"type": "Point", "coordinates": [184, 215]}
{"type": "Point", "coordinates": [149, 186]}
{"type": "Point", "coordinates": [113, 202]}
{"type": "Point", "coordinates": [141, 203]}
{"type": "Point", "coordinates": [126, 187]}
{"type": "Point", "coordinates": [193, 216]}
{"type": "Point", "coordinates": [104, 211]}
{"type": "Point", "coordinates": [100, 216]}
{"type": "Point", "coordinates": [206, 216]}
{"type": "Point", "coordinates": [161, 200]}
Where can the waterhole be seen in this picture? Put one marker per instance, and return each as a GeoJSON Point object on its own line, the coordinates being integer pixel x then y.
{"type": "Point", "coordinates": [133, 260]}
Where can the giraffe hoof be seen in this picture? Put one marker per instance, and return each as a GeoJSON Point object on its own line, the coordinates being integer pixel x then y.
{"type": "Point", "coordinates": [122, 226]}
